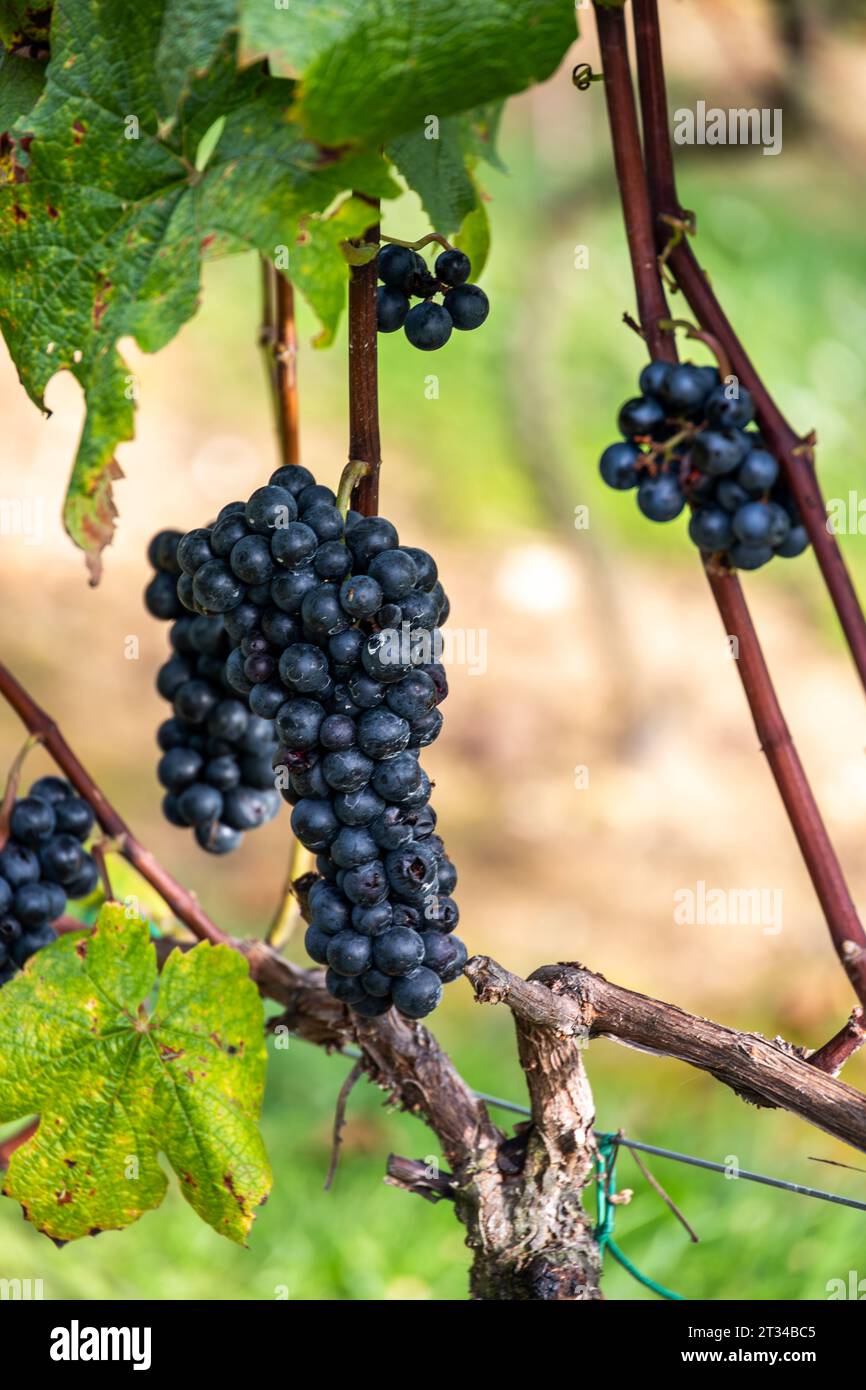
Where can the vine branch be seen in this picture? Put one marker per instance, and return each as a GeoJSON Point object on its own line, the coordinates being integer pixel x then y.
{"type": "Point", "coordinates": [577, 1004]}
{"type": "Point", "coordinates": [364, 442]}
{"type": "Point", "coordinates": [279, 342]}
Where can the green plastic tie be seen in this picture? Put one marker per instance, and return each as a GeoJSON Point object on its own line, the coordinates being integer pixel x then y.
{"type": "Point", "coordinates": [605, 1187]}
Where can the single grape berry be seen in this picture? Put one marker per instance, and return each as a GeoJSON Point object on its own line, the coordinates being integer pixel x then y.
{"type": "Point", "coordinates": [325, 519]}
{"type": "Point", "coordinates": [395, 572]}
{"type": "Point", "coordinates": [398, 951]}
{"type": "Point", "coordinates": [710, 528]}
{"type": "Point", "coordinates": [350, 953]}
{"type": "Point", "coordinates": [215, 588]}
{"type": "Point", "coordinates": [759, 471]}
{"type": "Point", "coordinates": [194, 550]}
{"type": "Point", "coordinates": [366, 885]}
{"type": "Point", "coordinates": [395, 266]}
{"type": "Point", "coordinates": [653, 378]}
{"type": "Point", "coordinates": [468, 307]}
{"type": "Point", "coordinates": [292, 476]}
{"type": "Point", "coordinates": [315, 824]}
{"type": "Point", "coordinates": [226, 534]}
{"type": "Point", "coordinates": [729, 411]}
{"type": "Point", "coordinates": [160, 596]}
{"type": "Point", "coordinates": [780, 524]}
{"type": "Point", "coordinates": [251, 560]}
{"type": "Point", "coordinates": [685, 389]}
{"type": "Point", "coordinates": [392, 306]}
{"type": "Point", "coordinates": [428, 326]}
{"type": "Point", "coordinates": [795, 542]}
{"type": "Point", "coordinates": [60, 858]}
{"type": "Point", "coordinates": [718, 451]}
{"type": "Point", "coordinates": [217, 838]}
{"type": "Point", "coordinates": [352, 846]}
{"type": "Point", "coordinates": [661, 498]}
{"type": "Point", "coordinates": [162, 551]}
{"type": "Point", "coordinates": [381, 733]}
{"type": "Point", "coordinates": [74, 817]}
{"type": "Point", "coordinates": [753, 524]}
{"type": "Point", "coordinates": [51, 789]}
{"type": "Point", "coordinates": [200, 803]}
{"type": "Point", "coordinates": [618, 465]}
{"type": "Point", "coordinates": [642, 417]}
{"type": "Point", "coordinates": [749, 557]}
{"type": "Point", "coordinates": [269, 508]}
{"type": "Point", "coordinates": [33, 820]}
{"type": "Point", "coordinates": [418, 994]}
{"type": "Point", "coordinates": [453, 267]}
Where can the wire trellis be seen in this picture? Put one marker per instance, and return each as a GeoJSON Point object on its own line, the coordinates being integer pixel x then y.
{"type": "Point", "coordinates": [797, 1188]}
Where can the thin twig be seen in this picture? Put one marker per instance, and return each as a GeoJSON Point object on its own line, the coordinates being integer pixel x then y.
{"type": "Point", "coordinates": [340, 1119]}
{"type": "Point", "coordinates": [668, 1201]}
{"type": "Point", "coordinates": [98, 850]}
{"type": "Point", "coordinates": [12, 782]}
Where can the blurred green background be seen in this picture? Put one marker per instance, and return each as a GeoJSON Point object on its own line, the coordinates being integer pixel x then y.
{"type": "Point", "coordinates": [603, 651]}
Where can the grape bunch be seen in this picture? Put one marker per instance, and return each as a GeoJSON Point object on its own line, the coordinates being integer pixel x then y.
{"type": "Point", "coordinates": [687, 440]}
{"type": "Point", "coordinates": [42, 863]}
{"type": "Point", "coordinates": [216, 755]}
{"type": "Point", "coordinates": [334, 634]}
{"type": "Point", "coordinates": [427, 325]}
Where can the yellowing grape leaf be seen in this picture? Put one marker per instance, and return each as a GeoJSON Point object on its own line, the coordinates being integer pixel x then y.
{"type": "Point", "coordinates": [114, 1084]}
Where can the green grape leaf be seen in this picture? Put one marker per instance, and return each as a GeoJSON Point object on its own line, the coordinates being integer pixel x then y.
{"type": "Point", "coordinates": [370, 70]}
{"type": "Point", "coordinates": [437, 160]}
{"type": "Point", "coordinates": [192, 34]}
{"type": "Point", "coordinates": [105, 217]}
{"type": "Point", "coordinates": [115, 1085]}
{"type": "Point", "coordinates": [21, 82]}
{"type": "Point", "coordinates": [474, 238]}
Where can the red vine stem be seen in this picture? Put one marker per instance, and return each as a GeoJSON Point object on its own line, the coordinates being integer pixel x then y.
{"type": "Point", "coordinates": [182, 903]}
{"type": "Point", "coordinates": [286, 370]}
{"type": "Point", "coordinates": [280, 342]}
{"type": "Point", "coordinates": [794, 455]}
{"type": "Point", "coordinates": [820, 857]}
{"type": "Point", "coordinates": [364, 442]}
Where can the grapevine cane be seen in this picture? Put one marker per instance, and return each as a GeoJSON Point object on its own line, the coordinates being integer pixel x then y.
{"type": "Point", "coordinates": [279, 341]}
{"type": "Point", "coordinates": [821, 860]}
{"type": "Point", "coordinates": [364, 441]}
{"type": "Point", "coordinates": [794, 454]}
